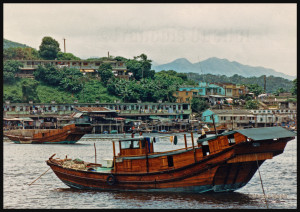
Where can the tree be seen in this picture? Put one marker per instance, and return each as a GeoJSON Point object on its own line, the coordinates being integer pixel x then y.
{"type": "Point", "coordinates": [66, 56]}
{"type": "Point", "coordinates": [199, 105]}
{"type": "Point", "coordinates": [10, 68]}
{"type": "Point", "coordinates": [255, 88]}
{"type": "Point", "coordinates": [49, 48]}
{"type": "Point", "coordinates": [294, 88]}
{"type": "Point", "coordinates": [20, 53]}
{"type": "Point", "coordinates": [278, 91]}
{"type": "Point", "coordinates": [251, 104]}
{"type": "Point", "coordinates": [29, 90]}
{"type": "Point", "coordinates": [105, 72]}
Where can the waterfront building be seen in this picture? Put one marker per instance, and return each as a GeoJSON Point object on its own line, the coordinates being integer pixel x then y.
{"type": "Point", "coordinates": [102, 118]}
{"type": "Point", "coordinates": [275, 117]}
{"type": "Point", "coordinates": [230, 119]}
{"type": "Point", "coordinates": [129, 112]}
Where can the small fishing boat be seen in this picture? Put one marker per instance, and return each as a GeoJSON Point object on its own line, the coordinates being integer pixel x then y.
{"type": "Point", "coordinates": [114, 132]}
{"type": "Point", "coordinates": [69, 134]}
{"type": "Point", "coordinates": [164, 132]}
{"type": "Point", "coordinates": [219, 163]}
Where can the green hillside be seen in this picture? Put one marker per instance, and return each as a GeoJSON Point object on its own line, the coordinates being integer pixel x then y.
{"type": "Point", "coordinates": [92, 92]}
{"type": "Point", "coordinates": [7, 44]}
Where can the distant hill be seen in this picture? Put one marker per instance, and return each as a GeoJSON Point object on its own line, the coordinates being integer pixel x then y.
{"type": "Point", "coordinates": [217, 66]}
{"type": "Point", "coordinates": [7, 44]}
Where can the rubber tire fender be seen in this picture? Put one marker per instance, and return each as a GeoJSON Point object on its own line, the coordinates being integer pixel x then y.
{"type": "Point", "coordinates": [111, 180]}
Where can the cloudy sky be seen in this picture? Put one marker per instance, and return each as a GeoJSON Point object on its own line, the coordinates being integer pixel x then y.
{"type": "Point", "coordinates": [251, 34]}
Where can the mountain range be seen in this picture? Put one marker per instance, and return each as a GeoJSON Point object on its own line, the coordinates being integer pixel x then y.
{"type": "Point", "coordinates": [217, 66]}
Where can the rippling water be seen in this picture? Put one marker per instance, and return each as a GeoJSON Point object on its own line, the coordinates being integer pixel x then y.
{"type": "Point", "coordinates": [23, 163]}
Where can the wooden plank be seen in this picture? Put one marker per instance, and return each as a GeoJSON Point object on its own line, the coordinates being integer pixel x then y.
{"type": "Point", "coordinates": [251, 157]}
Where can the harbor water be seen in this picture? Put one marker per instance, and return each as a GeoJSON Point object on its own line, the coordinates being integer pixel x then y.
{"type": "Point", "coordinates": [24, 163]}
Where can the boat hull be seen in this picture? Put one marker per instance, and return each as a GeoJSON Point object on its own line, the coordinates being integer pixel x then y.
{"type": "Point", "coordinates": [214, 174]}
{"type": "Point", "coordinates": [226, 168]}
{"type": "Point", "coordinates": [67, 135]}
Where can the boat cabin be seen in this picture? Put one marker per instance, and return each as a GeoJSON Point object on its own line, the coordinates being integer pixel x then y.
{"type": "Point", "coordinates": [135, 146]}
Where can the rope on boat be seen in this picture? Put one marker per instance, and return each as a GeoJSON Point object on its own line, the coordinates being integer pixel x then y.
{"type": "Point", "coordinates": [39, 177]}
{"type": "Point", "coordinates": [261, 182]}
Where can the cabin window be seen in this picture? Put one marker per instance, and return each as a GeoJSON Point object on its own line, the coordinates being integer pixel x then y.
{"type": "Point", "coordinates": [170, 161]}
{"type": "Point", "coordinates": [125, 144]}
{"type": "Point", "coordinates": [205, 150]}
{"type": "Point", "coordinates": [231, 139]}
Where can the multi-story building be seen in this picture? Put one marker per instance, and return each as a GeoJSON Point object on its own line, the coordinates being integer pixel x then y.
{"type": "Point", "coordinates": [206, 90]}
{"type": "Point", "coordinates": [230, 119]}
{"type": "Point", "coordinates": [234, 91]}
{"type": "Point", "coordinates": [85, 66]}
{"type": "Point", "coordinates": [234, 119]}
{"type": "Point", "coordinates": [121, 111]}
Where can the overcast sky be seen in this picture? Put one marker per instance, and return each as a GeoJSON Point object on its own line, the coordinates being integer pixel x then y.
{"type": "Point", "coordinates": [251, 34]}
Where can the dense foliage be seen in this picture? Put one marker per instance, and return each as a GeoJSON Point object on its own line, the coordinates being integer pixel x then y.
{"type": "Point", "coordinates": [10, 68]}
{"type": "Point", "coordinates": [10, 44]}
{"type": "Point", "coordinates": [199, 105]}
{"type": "Point", "coordinates": [105, 72]}
{"type": "Point", "coordinates": [161, 87]}
{"type": "Point", "coordinates": [49, 48]}
{"type": "Point", "coordinates": [19, 53]}
{"type": "Point", "coordinates": [64, 85]}
{"type": "Point", "coordinates": [68, 79]}
{"type": "Point", "coordinates": [272, 83]}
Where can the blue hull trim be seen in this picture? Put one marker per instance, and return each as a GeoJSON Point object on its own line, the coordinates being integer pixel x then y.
{"type": "Point", "coordinates": [188, 189]}
{"type": "Point", "coordinates": [59, 142]}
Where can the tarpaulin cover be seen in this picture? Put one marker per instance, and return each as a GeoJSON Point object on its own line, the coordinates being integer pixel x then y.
{"type": "Point", "coordinates": [266, 133]}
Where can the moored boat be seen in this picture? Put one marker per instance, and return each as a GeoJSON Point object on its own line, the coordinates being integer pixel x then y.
{"type": "Point", "coordinates": [219, 163]}
{"type": "Point", "coordinates": [69, 134]}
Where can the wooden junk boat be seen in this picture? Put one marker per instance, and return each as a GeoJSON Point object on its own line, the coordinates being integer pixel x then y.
{"type": "Point", "coordinates": [69, 134]}
{"type": "Point", "coordinates": [219, 163]}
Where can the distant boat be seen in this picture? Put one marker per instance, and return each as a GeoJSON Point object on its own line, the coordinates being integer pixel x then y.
{"type": "Point", "coordinates": [114, 132]}
{"type": "Point", "coordinates": [220, 163]}
{"type": "Point", "coordinates": [164, 132]}
{"type": "Point", "coordinates": [69, 134]}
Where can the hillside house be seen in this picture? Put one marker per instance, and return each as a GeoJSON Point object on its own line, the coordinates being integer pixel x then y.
{"type": "Point", "coordinates": [89, 67]}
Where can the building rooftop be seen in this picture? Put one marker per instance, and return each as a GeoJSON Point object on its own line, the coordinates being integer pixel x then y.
{"type": "Point", "coordinates": [94, 109]}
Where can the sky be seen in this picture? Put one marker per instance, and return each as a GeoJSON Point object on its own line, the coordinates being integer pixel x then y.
{"type": "Point", "coordinates": [251, 34]}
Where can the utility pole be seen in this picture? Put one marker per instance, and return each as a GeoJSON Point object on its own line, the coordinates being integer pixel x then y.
{"type": "Point", "coordinates": [265, 82]}
{"type": "Point", "coordinates": [64, 45]}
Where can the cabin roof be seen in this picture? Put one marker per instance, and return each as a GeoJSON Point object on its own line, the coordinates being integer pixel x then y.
{"type": "Point", "coordinates": [257, 134]}
{"type": "Point", "coordinates": [265, 133]}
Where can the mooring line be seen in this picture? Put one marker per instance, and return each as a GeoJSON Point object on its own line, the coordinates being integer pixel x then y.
{"type": "Point", "coordinates": [261, 182]}
{"type": "Point", "coordinates": [39, 177]}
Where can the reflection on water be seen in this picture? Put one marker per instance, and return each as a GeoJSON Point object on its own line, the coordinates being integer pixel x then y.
{"type": "Point", "coordinates": [24, 163]}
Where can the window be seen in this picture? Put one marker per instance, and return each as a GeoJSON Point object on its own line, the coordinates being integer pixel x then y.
{"type": "Point", "coordinates": [186, 93]}
{"type": "Point", "coordinates": [194, 93]}
{"type": "Point", "coordinates": [130, 145]}
{"type": "Point", "coordinates": [170, 161]}
{"type": "Point", "coordinates": [85, 64]}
